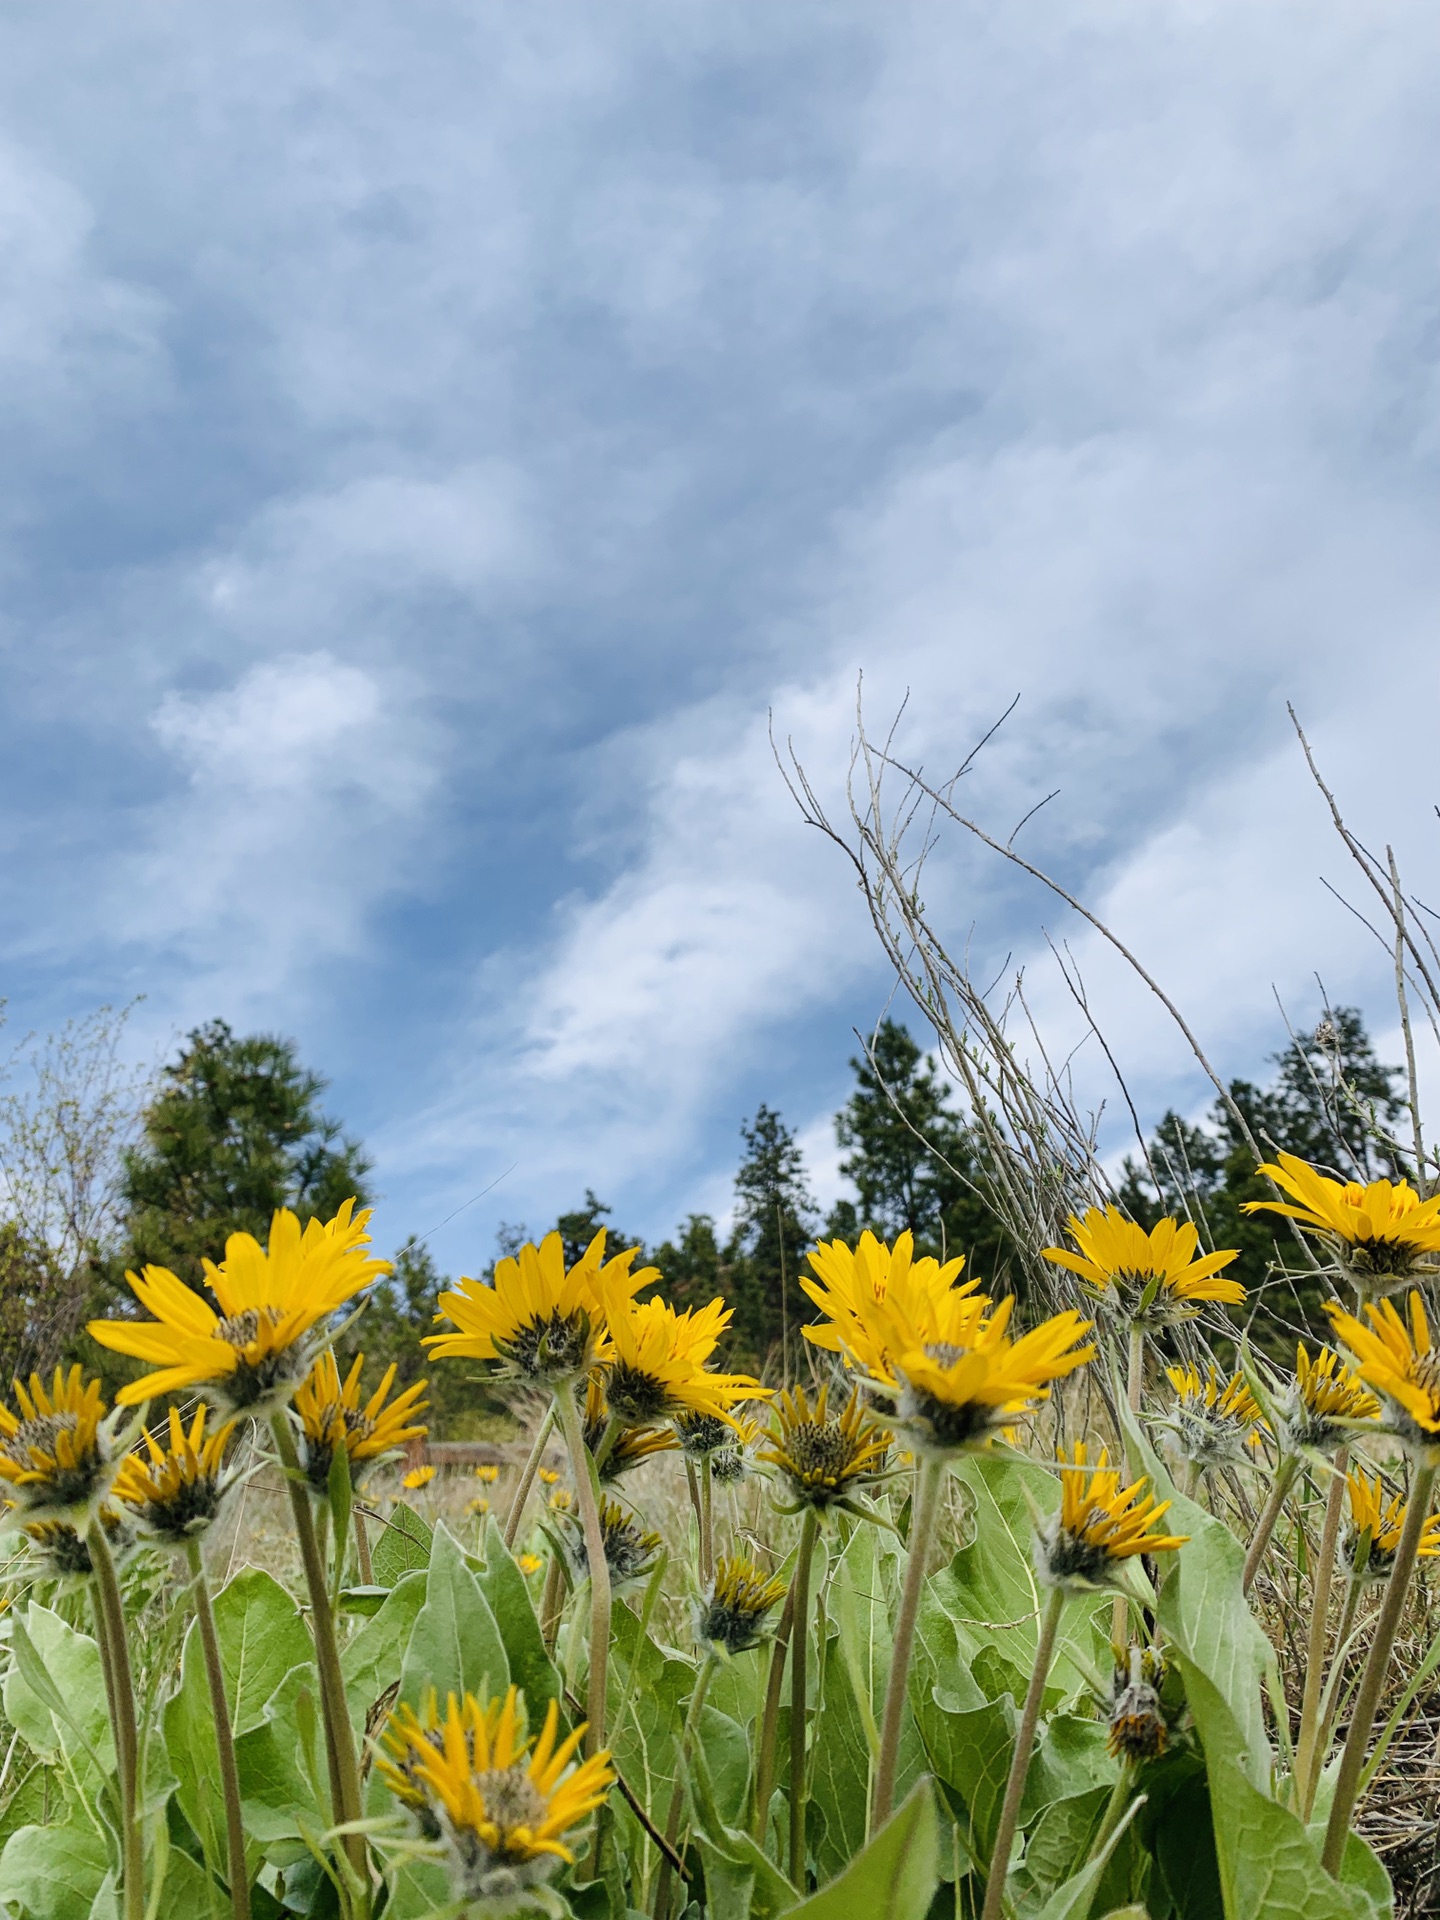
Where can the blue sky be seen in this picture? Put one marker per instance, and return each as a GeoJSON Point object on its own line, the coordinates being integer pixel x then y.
{"type": "Point", "coordinates": [436, 437]}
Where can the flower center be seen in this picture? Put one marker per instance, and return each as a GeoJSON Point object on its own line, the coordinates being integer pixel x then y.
{"type": "Point", "coordinates": [511, 1799]}
{"type": "Point", "coordinates": [637, 1397]}
{"type": "Point", "coordinates": [239, 1330]}
{"type": "Point", "coordinates": [40, 1434]}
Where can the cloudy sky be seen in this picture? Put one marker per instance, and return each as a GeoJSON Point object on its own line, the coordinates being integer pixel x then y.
{"type": "Point", "coordinates": [435, 437]}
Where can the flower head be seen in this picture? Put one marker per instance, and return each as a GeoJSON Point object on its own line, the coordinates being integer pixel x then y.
{"type": "Point", "coordinates": [529, 1563]}
{"type": "Point", "coordinates": [732, 1615]}
{"type": "Point", "coordinates": [1383, 1235]}
{"type": "Point", "coordinates": [1376, 1524]}
{"type": "Point", "coordinates": [631, 1447]}
{"type": "Point", "coordinates": [61, 1551]}
{"type": "Point", "coordinates": [487, 1474]}
{"type": "Point", "coordinates": [1139, 1729]}
{"type": "Point", "coordinates": [331, 1416]}
{"type": "Point", "coordinates": [503, 1805]}
{"type": "Point", "coordinates": [1100, 1525]}
{"type": "Point", "coordinates": [538, 1319]}
{"type": "Point", "coordinates": [256, 1350]}
{"type": "Point", "coordinates": [1150, 1279]}
{"type": "Point", "coordinates": [630, 1549]}
{"type": "Point", "coordinates": [175, 1491]}
{"type": "Point", "coordinates": [825, 1458]}
{"type": "Point", "coordinates": [58, 1453]}
{"type": "Point", "coordinates": [1396, 1358]}
{"type": "Point", "coordinates": [850, 1288]}
{"type": "Point", "coordinates": [1214, 1422]}
{"type": "Point", "coordinates": [958, 1373]}
{"type": "Point", "coordinates": [417, 1478]}
{"type": "Point", "coordinates": [1321, 1406]}
{"type": "Point", "coordinates": [657, 1361]}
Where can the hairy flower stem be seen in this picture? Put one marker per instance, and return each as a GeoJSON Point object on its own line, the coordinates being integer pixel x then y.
{"type": "Point", "coordinates": [527, 1476]}
{"type": "Point", "coordinates": [1269, 1516]}
{"type": "Point", "coordinates": [362, 1549]}
{"type": "Point", "coordinates": [334, 1707]}
{"type": "Point", "coordinates": [1020, 1760]}
{"type": "Point", "coordinates": [224, 1739]}
{"type": "Point", "coordinates": [1302, 1792]}
{"type": "Point", "coordinates": [707, 1523]}
{"type": "Point", "coordinates": [1134, 1394]}
{"type": "Point", "coordinates": [923, 1510]}
{"type": "Point", "coordinates": [122, 1718]}
{"type": "Point", "coordinates": [799, 1651]}
{"type": "Point", "coordinates": [1372, 1680]}
{"type": "Point", "coordinates": [677, 1798]}
{"type": "Point", "coordinates": [1334, 1685]}
{"type": "Point", "coordinates": [597, 1567]}
{"type": "Point", "coordinates": [770, 1721]}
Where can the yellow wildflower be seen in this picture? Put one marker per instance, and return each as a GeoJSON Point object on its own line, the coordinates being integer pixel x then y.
{"type": "Point", "coordinates": [1150, 1278]}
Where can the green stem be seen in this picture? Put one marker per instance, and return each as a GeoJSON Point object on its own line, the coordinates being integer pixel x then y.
{"type": "Point", "coordinates": [1269, 1516]}
{"type": "Point", "coordinates": [527, 1476]}
{"type": "Point", "coordinates": [1334, 1689]}
{"type": "Point", "coordinates": [922, 1525]}
{"type": "Point", "coordinates": [1134, 1394]}
{"type": "Point", "coordinates": [677, 1797]}
{"type": "Point", "coordinates": [362, 1549]}
{"type": "Point", "coordinates": [335, 1708]}
{"type": "Point", "coordinates": [122, 1709]}
{"type": "Point", "coordinates": [597, 1567]}
{"type": "Point", "coordinates": [1114, 1807]}
{"type": "Point", "coordinates": [224, 1739]}
{"type": "Point", "coordinates": [1020, 1760]}
{"type": "Point", "coordinates": [799, 1661]}
{"type": "Point", "coordinates": [1372, 1681]}
{"type": "Point", "coordinates": [707, 1524]}
{"type": "Point", "coordinates": [1318, 1638]}
{"type": "Point", "coordinates": [770, 1721]}
{"type": "Point", "coordinates": [551, 1604]}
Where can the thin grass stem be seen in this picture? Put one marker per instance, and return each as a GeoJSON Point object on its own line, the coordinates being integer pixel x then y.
{"type": "Point", "coordinates": [799, 1662]}
{"type": "Point", "coordinates": [122, 1711]}
{"type": "Point", "coordinates": [527, 1476]}
{"type": "Point", "coordinates": [1318, 1639]}
{"type": "Point", "coordinates": [224, 1738]}
{"type": "Point", "coordinates": [1270, 1513]}
{"type": "Point", "coordinates": [770, 1721]}
{"type": "Point", "coordinates": [922, 1526]}
{"type": "Point", "coordinates": [1020, 1760]}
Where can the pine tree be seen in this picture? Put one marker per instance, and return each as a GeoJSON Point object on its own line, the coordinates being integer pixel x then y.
{"type": "Point", "coordinates": [914, 1163]}
{"type": "Point", "coordinates": [775, 1224]}
{"type": "Point", "coordinates": [235, 1131]}
{"type": "Point", "coordinates": [693, 1266]}
{"type": "Point", "coordinates": [1330, 1101]}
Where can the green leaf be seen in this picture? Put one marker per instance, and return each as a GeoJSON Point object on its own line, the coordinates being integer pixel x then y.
{"type": "Point", "coordinates": [403, 1546]}
{"type": "Point", "coordinates": [508, 1592]}
{"type": "Point", "coordinates": [276, 1789]}
{"type": "Point", "coordinates": [1205, 1615]}
{"type": "Point", "coordinates": [53, 1873]}
{"type": "Point", "coordinates": [341, 1495]}
{"type": "Point", "coordinates": [455, 1645]}
{"type": "Point", "coordinates": [421, 1887]}
{"type": "Point", "coordinates": [741, 1882]}
{"type": "Point", "coordinates": [371, 1662]}
{"type": "Point", "coordinates": [55, 1692]}
{"type": "Point", "coordinates": [895, 1877]}
{"type": "Point", "coordinates": [1269, 1867]}
{"type": "Point", "coordinates": [648, 1692]}
{"type": "Point", "coordinates": [1072, 1900]}
{"type": "Point", "coordinates": [262, 1636]}
{"type": "Point", "coordinates": [970, 1753]}
{"type": "Point", "coordinates": [1057, 1846]}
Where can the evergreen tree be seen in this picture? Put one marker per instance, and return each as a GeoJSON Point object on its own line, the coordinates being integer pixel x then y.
{"type": "Point", "coordinates": [775, 1225]}
{"type": "Point", "coordinates": [579, 1228]}
{"type": "Point", "coordinates": [693, 1266]}
{"type": "Point", "coordinates": [235, 1131]}
{"type": "Point", "coordinates": [1330, 1101]}
{"type": "Point", "coordinates": [914, 1163]}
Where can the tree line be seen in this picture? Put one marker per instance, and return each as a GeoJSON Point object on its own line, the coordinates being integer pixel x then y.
{"type": "Point", "coordinates": [104, 1171]}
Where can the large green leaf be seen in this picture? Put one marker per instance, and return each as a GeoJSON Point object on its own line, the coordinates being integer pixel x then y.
{"type": "Point", "coordinates": [53, 1873]}
{"type": "Point", "coordinates": [403, 1545]}
{"type": "Point", "coordinates": [262, 1636]}
{"type": "Point", "coordinates": [277, 1787]}
{"type": "Point", "coordinates": [895, 1877]}
{"type": "Point", "coordinates": [1269, 1867]}
{"type": "Point", "coordinates": [508, 1592]}
{"type": "Point", "coordinates": [840, 1765]}
{"type": "Point", "coordinates": [371, 1662]}
{"type": "Point", "coordinates": [455, 1645]}
{"type": "Point", "coordinates": [1205, 1615]}
{"type": "Point", "coordinates": [60, 1707]}
{"type": "Point", "coordinates": [648, 1694]}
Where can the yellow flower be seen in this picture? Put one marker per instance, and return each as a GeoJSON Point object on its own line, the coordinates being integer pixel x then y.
{"type": "Point", "coordinates": [257, 1348]}
{"type": "Point", "coordinates": [58, 1452]}
{"type": "Point", "coordinates": [849, 1288]}
{"type": "Point", "coordinates": [176, 1490]}
{"type": "Point", "coordinates": [529, 1563]}
{"type": "Point", "coordinates": [630, 1549]}
{"type": "Point", "coordinates": [826, 1458]}
{"type": "Point", "coordinates": [1100, 1524]}
{"type": "Point", "coordinates": [657, 1361]}
{"type": "Point", "coordinates": [732, 1614]}
{"type": "Point", "coordinates": [561, 1500]}
{"type": "Point", "coordinates": [331, 1416]}
{"type": "Point", "coordinates": [480, 1505]}
{"type": "Point", "coordinates": [1213, 1421]}
{"type": "Point", "coordinates": [487, 1475]}
{"type": "Point", "coordinates": [1398, 1361]}
{"type": "Point", "coordinates": [1376, 1525]}
{"type": "Point", "coordinates": [64, 1554]}
{"type": "Point", "coordinates": [416, 1478]}
{"type": "Point", "coordinates": [538, 1320]}
{"type": "Point", "coordinates": [631, 1446]}
{"type": "Point", "coordinates": [1319, 1410]}
{"type": "Point", "coordinates": [548, 1476]}
{"type": "Point", "coordinates": [961, 1376]}
{"type": "Point", "coordinates": [1383, 1234]}
{"type": "Point", "coordinates": [503, 1805]}
{"type": "Point", "coordinates": [1151, 1278]}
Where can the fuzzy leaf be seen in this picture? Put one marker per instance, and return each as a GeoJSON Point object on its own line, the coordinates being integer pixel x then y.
{"type": "Point", "coordinates": [508, 1592]}
{"type": "Point", "coordinates": [371, 1662]}
{"type": "Point", "coordinates": [53, 1873]}
{"type": "Point", "coordinates": [455, 1645]}
{"type": "Point", "coordinates": [895, 1877]}
{"type": "Point", "coordinates": [403, 1546]}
